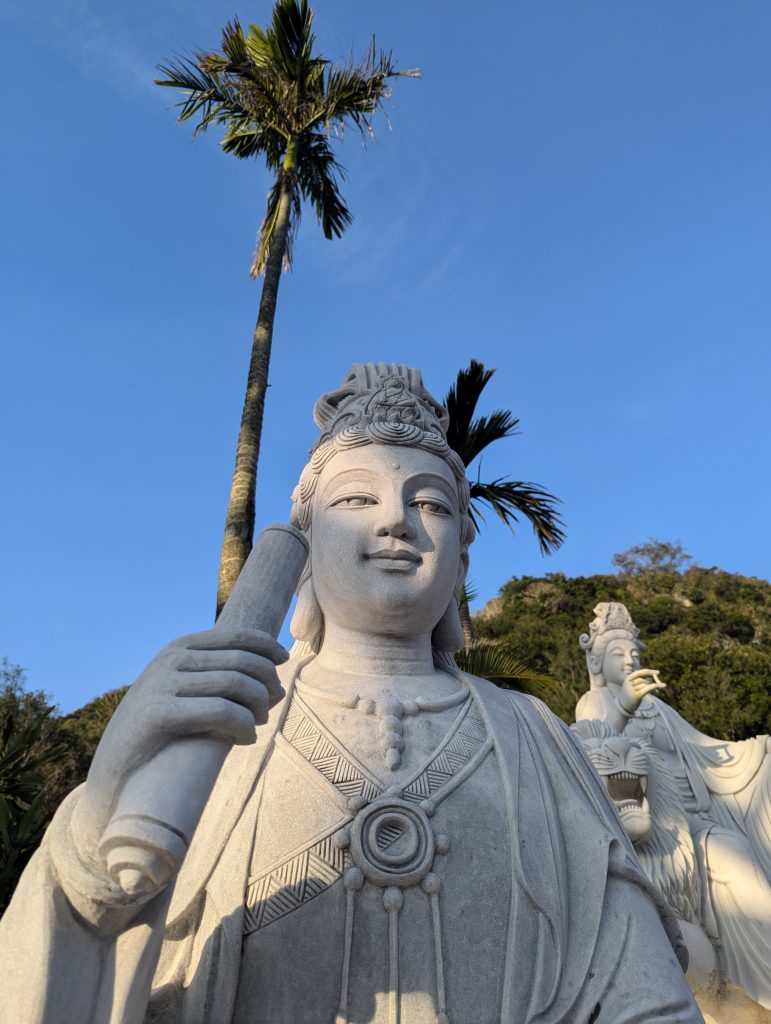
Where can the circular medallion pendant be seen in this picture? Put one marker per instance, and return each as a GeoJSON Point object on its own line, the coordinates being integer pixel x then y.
{"type": "Point", "coordinates": [392, 843]}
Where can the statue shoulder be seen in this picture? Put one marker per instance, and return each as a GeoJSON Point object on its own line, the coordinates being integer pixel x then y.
{"type": "Point", "coordinates": [594, 704]}
{"type": "Point", "coordinates": [495, 697]}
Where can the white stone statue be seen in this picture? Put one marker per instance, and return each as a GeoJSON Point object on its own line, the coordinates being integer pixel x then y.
{"type": "Point", "coordinates": [703, 832]}
{"type": "Point", "coordinates": [649, 802]}
{"type": "Point", "coordinates": [395, 842]}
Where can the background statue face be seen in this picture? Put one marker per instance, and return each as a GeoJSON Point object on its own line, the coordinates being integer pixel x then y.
{"type": "Point", "coordinates": [621, 658]}
{"type": "Point", "coordinates": [385, 542]}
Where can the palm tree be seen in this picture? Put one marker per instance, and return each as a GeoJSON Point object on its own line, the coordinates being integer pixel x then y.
{"type": "Point", "coordinates": [497, 661]}
{"type": "Point", "coordinates": [509, 499]}
{"type": "Point", "coordinates": [278, 101]}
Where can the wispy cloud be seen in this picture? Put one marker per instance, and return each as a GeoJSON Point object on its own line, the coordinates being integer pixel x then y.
{"type": "Point", "coordinates": [381, 235]}
{"type": "Point", "coordinates": [96, 44]}
{"type": "Point", "coordinates": [649, 414]}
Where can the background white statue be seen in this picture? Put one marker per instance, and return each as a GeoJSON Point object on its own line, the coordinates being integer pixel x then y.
{"type": "Point", "coordinates": [720, 790]}
{"type": "Point", "coordinates": [396, 843]}
{"type": "Point", "coordinates": [644, 789]}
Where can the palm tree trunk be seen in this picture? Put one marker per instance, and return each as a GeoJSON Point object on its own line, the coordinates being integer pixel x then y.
{"type": "Point", "coordinates": [465, 621]}
{"type": "Point", "coordinates": [239, 521]}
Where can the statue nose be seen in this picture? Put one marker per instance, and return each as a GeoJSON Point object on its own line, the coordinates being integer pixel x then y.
{"type": "Point", "coordinates": [395, 523]}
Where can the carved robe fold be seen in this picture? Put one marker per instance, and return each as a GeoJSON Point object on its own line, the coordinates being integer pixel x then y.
{"type": "Point", "coordinates": [528, 877]}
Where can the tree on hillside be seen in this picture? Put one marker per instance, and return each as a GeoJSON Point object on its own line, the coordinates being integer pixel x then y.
{"type": "Point", "coordinates": [281, 102]}
{"type": "Point", "coordinates": [469, 436]}
{"type": "Point", "coordinates": [652, 556]}
{"type": "Point", "coordinates": [26, 752]}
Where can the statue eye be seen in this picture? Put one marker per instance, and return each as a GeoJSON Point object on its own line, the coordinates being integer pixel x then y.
{"type": "Point", "coordinates": [354, 501]}
{"type": "Point", "coordinates": [429, 505]}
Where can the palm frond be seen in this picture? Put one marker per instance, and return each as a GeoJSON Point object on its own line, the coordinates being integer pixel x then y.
{"type": "Point", "coordinates": [356, 91]}
{"type": "Point", "coordinates": [317, 180]}
{"type": "Point", "coordinates": [245, 136]}
{"type": "Point", "coordinates": [461, 402]}
{"type": "Point", "coordinates": [258, 47]}
{"type": "Point", "coordinates": [267, 228]}
{"type": "Point", "coordinates": [209, 94]}
{"type": "Point", "coordinates": [510, 499]}
{"type": "Point", "coordinates": [496, 661]}
{"type": "Point", "coordinates": [286, 46]}
{"type": "Point", "coordinates": [234, 44]}
{"type": "Point", "coordinates": [485, 430]}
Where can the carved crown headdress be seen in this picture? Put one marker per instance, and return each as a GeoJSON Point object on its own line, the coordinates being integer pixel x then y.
{"type": "Point", "coordinates": [385, 396]}
{"type": "Point", "coordinates": [611, 621]}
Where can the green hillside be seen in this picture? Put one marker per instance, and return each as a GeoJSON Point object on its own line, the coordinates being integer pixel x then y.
{"type": "Point", "coordinates": [707, 631]}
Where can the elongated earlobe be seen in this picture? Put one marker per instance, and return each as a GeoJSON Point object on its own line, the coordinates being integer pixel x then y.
{"type": "Point", "coordinates": [308, 620]}
{"type": "Point", "coordinates": [448, 632]}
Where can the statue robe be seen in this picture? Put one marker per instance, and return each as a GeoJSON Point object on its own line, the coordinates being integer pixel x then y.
{"type": "Point", "coordinates": [581, 939]}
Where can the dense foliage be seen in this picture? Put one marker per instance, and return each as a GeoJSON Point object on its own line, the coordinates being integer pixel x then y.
{"type": "Point", "coordinates": [43, 755]}
{"type": "Point", "coordinates": [707, 631]}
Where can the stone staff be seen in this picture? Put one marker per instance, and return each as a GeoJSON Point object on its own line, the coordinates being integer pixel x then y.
{"type": "Point", "coordinates": [150, 831]}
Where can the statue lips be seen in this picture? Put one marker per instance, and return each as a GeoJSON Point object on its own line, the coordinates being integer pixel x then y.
{"type": "Point", "coordinates": [395, 558]}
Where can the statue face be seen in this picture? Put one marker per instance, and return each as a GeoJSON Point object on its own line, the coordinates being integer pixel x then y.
{"type": "Point", "coordinates": [385, 541]}
{"type": "Point", "coordinates": [620, 659]}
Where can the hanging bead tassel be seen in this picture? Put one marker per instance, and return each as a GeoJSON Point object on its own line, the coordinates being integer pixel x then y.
{"type": "Point", "coordinates": [353, 880]}
{"type": "Point", "coordinates": [431, 886]}
{"type": "Point", "coordinates": [393, 901]}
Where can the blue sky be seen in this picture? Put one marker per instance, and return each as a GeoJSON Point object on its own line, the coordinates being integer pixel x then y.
{"type": "Point", "coordinates": [576, 194]}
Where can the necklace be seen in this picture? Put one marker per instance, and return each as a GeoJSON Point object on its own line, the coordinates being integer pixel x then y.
{"type": "Point", "coordinates": [390, 711]}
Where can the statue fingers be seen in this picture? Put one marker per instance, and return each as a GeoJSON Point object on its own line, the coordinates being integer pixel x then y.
{"type": "Point", "coordinates": [640, 675]}
{"type": "Point", "coordinates": [233, 686]}
{"type": "Point", "coordinates": [651, 687]}
{"type": "Point", "coordinates": [252, 665]}
{"type": "Point", "coordinates": [214, 716]}
{"type": "Point", "coordinates": [253, 641]}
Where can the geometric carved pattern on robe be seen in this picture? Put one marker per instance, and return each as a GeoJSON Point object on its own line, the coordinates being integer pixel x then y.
{"type": "Point", "coordinates": [310, 872]}
{"type": "Point", "coordinates": [294, 882]}
{"type": "Point", "coordinates": [325, 756]}
{"type": "Point", "coordinates": [457, 752]}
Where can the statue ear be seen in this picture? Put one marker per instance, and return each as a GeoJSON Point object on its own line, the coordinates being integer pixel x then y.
{"type": "Point", "coordinates": [594, 666]}
{"type": "Point", "coordinates": [308, 620]}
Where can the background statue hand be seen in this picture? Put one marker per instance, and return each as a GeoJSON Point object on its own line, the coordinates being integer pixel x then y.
{"type": "Point", "coordinates": [636, 686]}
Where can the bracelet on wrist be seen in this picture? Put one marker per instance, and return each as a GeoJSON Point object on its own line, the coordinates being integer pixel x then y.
{"type": "Point", "coordinates": [623, 710]}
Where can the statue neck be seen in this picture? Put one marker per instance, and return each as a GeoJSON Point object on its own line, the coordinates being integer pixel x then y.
{"type": "Point", "coordinates": [372, 660]}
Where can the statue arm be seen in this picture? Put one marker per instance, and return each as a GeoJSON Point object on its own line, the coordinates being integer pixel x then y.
{"type": "Point", "coordinates": [72, 950]}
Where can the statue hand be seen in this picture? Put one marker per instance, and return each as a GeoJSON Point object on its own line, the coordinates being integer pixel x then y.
{"type": "Point", "coordinates": [217, 683]}
{"type": "Point", "coordinates": [636, 686]}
